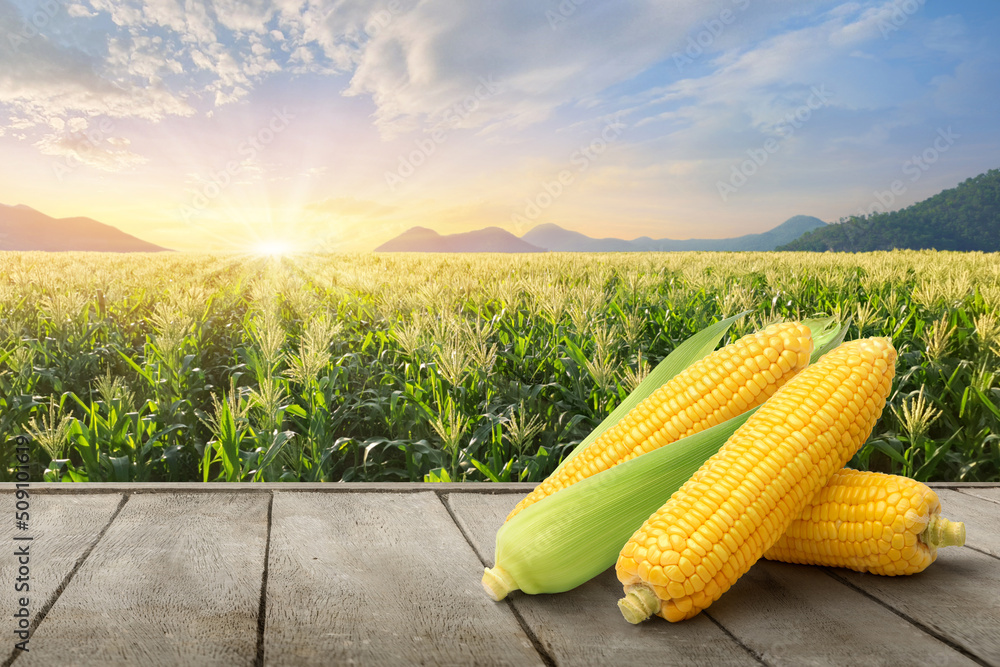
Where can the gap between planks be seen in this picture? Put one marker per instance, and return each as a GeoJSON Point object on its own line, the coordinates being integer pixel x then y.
{"type": "Point", "coordinates": [906, 617]}
{"type": "Point", "coordinates": [536, 643]}
{"type": "Point", "coordinates": [262, 607]}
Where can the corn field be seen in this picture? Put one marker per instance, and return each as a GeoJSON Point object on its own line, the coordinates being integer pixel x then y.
{"type": "Point", "coordinates": [179, 367]}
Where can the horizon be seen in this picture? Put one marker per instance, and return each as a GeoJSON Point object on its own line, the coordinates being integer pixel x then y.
{"type": "Point", "coordinates": [236, 127]}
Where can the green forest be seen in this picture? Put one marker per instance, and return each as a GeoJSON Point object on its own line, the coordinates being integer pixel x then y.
{"type": "Point", "coordinates": [966, 217]}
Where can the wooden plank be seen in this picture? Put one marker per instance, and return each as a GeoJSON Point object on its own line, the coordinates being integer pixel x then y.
{"type": "Point", "coordinates": [990, 494]}
{"type": "Point", "coordinates": [379, 578]}
{"type": "Point", "coordinates": [799, 615]}
{"type": "Point", "coordinates": [174, 581]}
{"type": "Point", "coordinates": [62, 531]}
{"type": "Point", "coordinates": [956, 597]}
{"type": "Point", "coordinates": [981, 518]}
{"type": "Point", "coordinates": [584, 626]}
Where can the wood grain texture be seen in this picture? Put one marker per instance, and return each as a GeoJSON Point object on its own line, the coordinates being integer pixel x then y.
{"type": "Point", "coordinates": [584, 626]}
{"type": "Point", "coordinates": [62, 530]}
{"type": "Point", "coordinates": [174, 581]}
{"type": "Point", "coordinates": [799, 615]}
{"type": "Point", "coordinates": [956, 597]}
{"type": "Point", "coordinates": [981, 518]}
{"type": "Point", "coordinates": [379, 579]}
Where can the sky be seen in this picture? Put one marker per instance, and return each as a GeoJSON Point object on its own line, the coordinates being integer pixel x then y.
{"type": "Point", "coordinates": [308, 125]}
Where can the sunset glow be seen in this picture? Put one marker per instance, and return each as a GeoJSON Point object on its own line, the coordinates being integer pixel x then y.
{"type": "Point", "coordinates": [214, 125]}
{"type": "Point", "coordinates": [273, 248]}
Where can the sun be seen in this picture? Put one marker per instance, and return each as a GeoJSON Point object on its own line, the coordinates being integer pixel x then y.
{"type": "Point", "coordinates": [273, 248]}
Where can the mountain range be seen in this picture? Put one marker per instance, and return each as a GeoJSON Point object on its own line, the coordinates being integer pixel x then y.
{"type": "Point", "coordinates": [553, 238]}
{"type": "Point", "coordinates": [963, 218]}
{"type": "Point", "coordinates": [490, 239]}
{"type": "Point", "coordinates": [24, 228]}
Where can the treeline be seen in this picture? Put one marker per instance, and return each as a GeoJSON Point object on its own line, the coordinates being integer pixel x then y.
{"type": "Point", "coordinates": [965, 218]}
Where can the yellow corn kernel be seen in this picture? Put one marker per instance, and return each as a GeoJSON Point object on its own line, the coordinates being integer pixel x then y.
{"type": "Point", "coordinates": [683, 406]}
{"type": "Point", "coordinates": [779, 488]}
{"type": "Point", "coordinates": [860, 500]}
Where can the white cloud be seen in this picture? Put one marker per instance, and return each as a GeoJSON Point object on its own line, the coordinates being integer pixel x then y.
{"type": "Point", "coordinates": [427, 59]}
{"type": "Point", "coordinates": [42, 79]}
{"type": "Point", "coordinates": [417, 59]}
{"type": "Point", "coordinates": [107, 154]}
{"type": "Point", "coordinates": [755, 86]}
{"type": "Point", "coordinates": [77, 10]}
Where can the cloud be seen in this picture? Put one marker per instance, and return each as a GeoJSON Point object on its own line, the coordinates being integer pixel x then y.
{"type": "Point", "coordinates": [428, 58]}
{"type": "Point", "coordinates": [76, 10]}
{"type": "Point", "coordinates": [106, 154]}
{"type": "Point", "coordinates": [42, 79]}
{"type": "Point", "coordinates": [551, 70]}
{"type": "Point", "coordinates": [753, 87]}
{"type": "Point", "coordinates": [973, 88]}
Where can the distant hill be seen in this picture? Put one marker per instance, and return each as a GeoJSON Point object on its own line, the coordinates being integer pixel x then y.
{"type": "Point", "coordinates": [491, 239]}
{"type": "Point", "coordinates": [24, 228]}
{"type": "Point", "coordinates": [555, 238]}
{"type": "Point", "coordinates": [966, 217]}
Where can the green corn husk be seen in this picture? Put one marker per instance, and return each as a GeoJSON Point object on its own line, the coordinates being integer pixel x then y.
{"type": "Point", "coordinates": [575, 534]}
{"type": "Point", "coordinates": [698, 346]}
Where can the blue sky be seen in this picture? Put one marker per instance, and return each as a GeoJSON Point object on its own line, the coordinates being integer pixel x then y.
{"type": "Point", "coordinates": [338, 125]}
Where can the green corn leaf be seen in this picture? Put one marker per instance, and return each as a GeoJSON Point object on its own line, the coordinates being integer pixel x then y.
{"type": "Point", "coordinates": [572, 536]}
{"type": "Point", "coordinates": [826, 335]}
{"type": "Point", "coordinates": [691, 350]}
{"type": "Point", "coordinates": [987, 402]}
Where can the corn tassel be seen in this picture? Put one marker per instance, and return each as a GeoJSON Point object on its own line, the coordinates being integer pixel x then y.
{"type": "Point", "coordinates": [737, 505]}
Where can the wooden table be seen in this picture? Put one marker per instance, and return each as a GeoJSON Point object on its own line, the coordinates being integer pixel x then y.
{"type": "Point", "coordinates": [285, 574]}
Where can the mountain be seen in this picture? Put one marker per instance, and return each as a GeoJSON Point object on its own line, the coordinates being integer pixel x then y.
{"type": "Point", "coordinates": [24, 228]}
{"type": "Point", "coordinates": [555, 238]}
{"type": "Point", "coordinates": [966, 217]}
{"type": "Point", "coordinates": [491, 239]}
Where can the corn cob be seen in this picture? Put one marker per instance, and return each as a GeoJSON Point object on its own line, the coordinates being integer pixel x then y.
{"type": "Point", "coordinates": [869, 522]}
{"type": "Point", "coordinates": [724, 384]}
{"type": "Point", "coordinates": [572, 536]}
{"type": "Point", "coordinates": [737, 505]}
